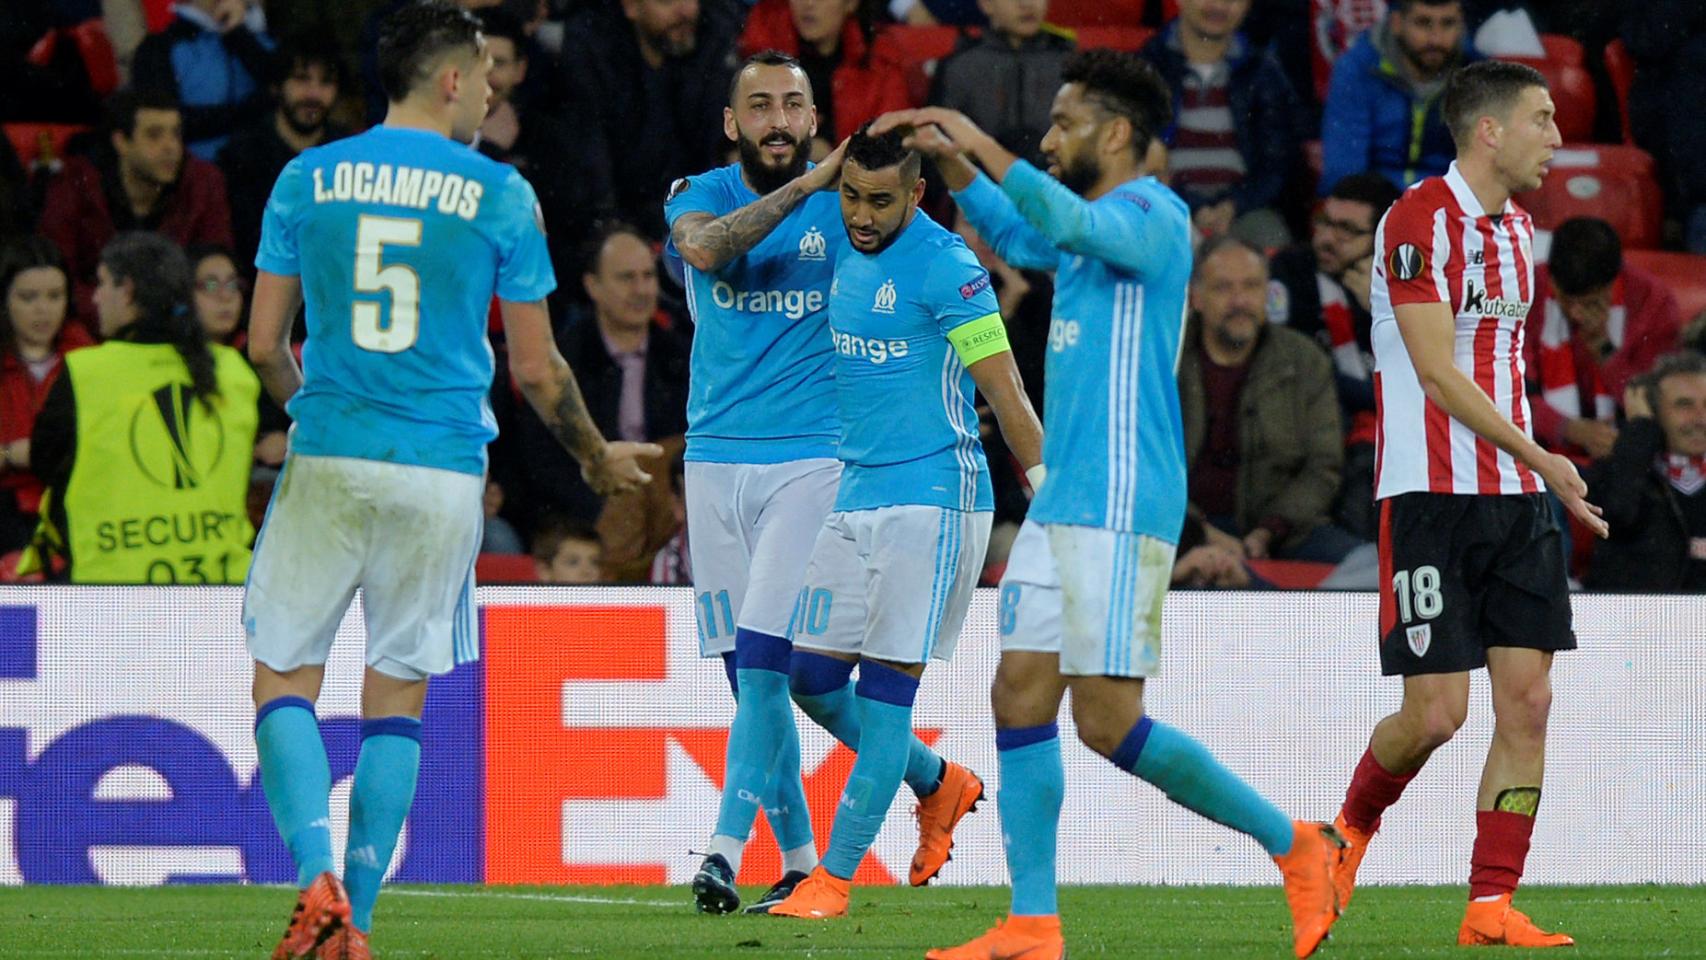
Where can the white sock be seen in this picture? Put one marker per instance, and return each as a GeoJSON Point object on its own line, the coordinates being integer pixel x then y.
{"type": "Point", "coordinates": [802, 858]}
{"type": "Point", "coordinates": [730, 848]}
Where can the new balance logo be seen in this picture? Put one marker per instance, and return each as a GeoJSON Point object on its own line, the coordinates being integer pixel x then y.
{"type": "Point", "coordinates": [885, 298]}
{"type": "Point", "coordinates": [813, 246]}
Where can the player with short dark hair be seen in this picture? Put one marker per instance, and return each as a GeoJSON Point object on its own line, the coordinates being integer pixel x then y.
{"type": "Point", "coordinates": [918, 333]}
{"type": "Point", "coordinates": [396, 240]}
{"type": "Point", "coordinates": [1081, 600]}
{"type": "Point", "coordinates": [1472, 568]}
{"type": "Point", "coordinates": [758, 241]}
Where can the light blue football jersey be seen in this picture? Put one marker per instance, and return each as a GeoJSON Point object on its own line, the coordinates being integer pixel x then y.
{"type": "Point", "coordinates": [1112, 437]}
{"type": "Point", "coordinates": [908, 425]}
{"type": "Point", "coordinates": [401, 237]}
{"type": "Point", "coordinates": [760, 388]}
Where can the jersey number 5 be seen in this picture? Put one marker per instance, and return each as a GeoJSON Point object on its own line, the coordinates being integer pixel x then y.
{"type": "Point", "coordinates": [367, 326]}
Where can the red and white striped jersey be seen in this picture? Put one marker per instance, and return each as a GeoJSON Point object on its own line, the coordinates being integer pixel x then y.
{"type": "Point", "coordinates": [1436, 245]}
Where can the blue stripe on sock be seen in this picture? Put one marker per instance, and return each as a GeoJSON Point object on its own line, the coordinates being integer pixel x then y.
{"type": "Point", "coordinates": [1191, 777]}
{"type": "Point", "coordinates": [279, 703]}
{"type": "Point", "coordinates": [886, 684]}
{"type": "Point", "coordinates": [815, 674]}
{"type": "Point", "coordinates": [761, 651]}
{"type": "Point", "coordinates": [1131, 748]}
{"type": "Point", "coordinates": [729, 671]}
{"type": "Point", "coordinates": [407, 727]}
{"type": "Point", "coordinates": [1012, 738]}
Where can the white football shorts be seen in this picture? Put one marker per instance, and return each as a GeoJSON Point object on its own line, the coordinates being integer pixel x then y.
{"type": "Point", "coordinates": [405, 535]}
{"type": "Point", "coordinates": [1094, 596]}
{"type": "Point", "coordinates": [892, 583]}
{"type": "Point", "coordinates": [750, 528]}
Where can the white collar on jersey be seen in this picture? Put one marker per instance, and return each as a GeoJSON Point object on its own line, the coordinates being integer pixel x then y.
{"type": "Point", "coordinates": [1466, 198]}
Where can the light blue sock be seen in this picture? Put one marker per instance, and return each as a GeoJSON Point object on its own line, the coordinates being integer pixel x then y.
{"type": "Point", "coordinates": [759, 736]}
{"type": "Point", "coordinates": [1191, 777]}
{"type": "Point", "coordinates": [822, 690]}
{"type": "Point", "coordinates": [1033, 785]}
{"type": "Point", "coordinates": [784, 796]}
{"type": "Point", "coordinates": [885, 698]}
{"type": "Point", "coordinates": [298, 782]}
{"type": "Point", "coordinates": [385, 775]}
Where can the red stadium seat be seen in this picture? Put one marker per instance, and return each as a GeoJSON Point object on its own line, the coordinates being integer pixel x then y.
{"type": "Point", "coordinates": [98, 58]}
{"type": "Point", "coordinates": [30, 139]}
{"type": "Point", "coordinates": [156, 14]}
{"type": "Point", "coordinates": [1684, 273]}
{"type": "Point", "coordinates": [1291, 574]}
{"type": "Point", "coordinates": [1562, 49]}
{"type": "Point", "coordinates": [1114, 38]}
{"type": "Point", "coordinates": [1572, 93]}
{"type": "Point", "coordinates": [504, 568]}
{"type": "Point", "coordinates": [1621, 66]}
{"type": "Point", "coordinates": [1101, 13]}
{"type": "Point", "coordinates": [1614, 183]}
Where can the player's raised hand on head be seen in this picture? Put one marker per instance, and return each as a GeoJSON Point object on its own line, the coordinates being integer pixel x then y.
{"type": "Point", "coordinates": [827, 174]}
{"type": "Point", "coordinates": [617, 469]}
{"type": "Point", "coordinates": [933, 143]}
{"type": "Point", "coordinates": [1566, 482]}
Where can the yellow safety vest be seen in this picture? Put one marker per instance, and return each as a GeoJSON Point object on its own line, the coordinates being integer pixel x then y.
{"type": "Point", "coordinates": [159, 489]}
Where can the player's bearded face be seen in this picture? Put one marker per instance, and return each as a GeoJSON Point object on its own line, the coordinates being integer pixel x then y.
{"type": "Point", "coordinates": [875, 205]}
{"type": "Point", "coordinates": [1070, 145]}
{"type": "Point", "coordinates": [771, 158]}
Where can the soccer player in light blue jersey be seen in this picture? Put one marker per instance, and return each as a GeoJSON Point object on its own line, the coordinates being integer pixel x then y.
{"type": "Point", "coordinates": [396, 240]}
{"type": "Point", "coordinates": [1081, 600]}
{"type": "Point", "coordinates": [759, 240]}
{"type": "Point", "coordinates": [916, 328]}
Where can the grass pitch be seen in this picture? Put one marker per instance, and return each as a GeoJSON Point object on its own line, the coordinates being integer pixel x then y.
{"type": "Point", "coordinates": [653, 923]}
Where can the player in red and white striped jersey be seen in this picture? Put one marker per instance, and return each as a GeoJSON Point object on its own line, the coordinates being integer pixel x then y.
{"type": "Point", "coordinates": [1472, 559]}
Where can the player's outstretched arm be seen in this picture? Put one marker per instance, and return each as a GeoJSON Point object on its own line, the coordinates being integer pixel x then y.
{"type": "Point", "coordinates": [1429, 332]}
{"type": "Point", "coordinates": [271, 315]}
{"type": "Point", "coordinates": [708, 243]}
{"type": "Point", "coordinates": [997, 379]}
{"type": "Point", "coordinates": [549, 385]}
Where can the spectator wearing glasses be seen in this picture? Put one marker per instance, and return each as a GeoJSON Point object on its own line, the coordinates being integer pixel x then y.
{"type": "Point", "coordinates": [1322, 291]}
{"type": "Point", "coordinates": [220, 297]}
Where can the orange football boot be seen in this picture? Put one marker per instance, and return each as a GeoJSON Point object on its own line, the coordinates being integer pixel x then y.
{"type": "Point", "coordinates": [1015, 938]}
{"type": "Point", "coordinates": [937, 815]}
{"type": "Point", "coordinates": [321, 910]}
{"type": "Point", "coordinates": [818, 897]}
{"type": "Point", "coordinates": [1309, 869]}
{"type": "Point", "coordinates": [1490, 923]}
{"type": "Point", "coordinates": [1350, 857]}
{"type": "Point", "coordinates": [346, 944]}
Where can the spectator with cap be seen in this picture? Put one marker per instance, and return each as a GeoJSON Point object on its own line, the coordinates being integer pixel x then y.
{"type": "Point", "coordinates": [1597, 323]}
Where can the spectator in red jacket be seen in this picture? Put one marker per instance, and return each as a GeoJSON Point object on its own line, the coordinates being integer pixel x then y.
{"type": "Point", "coordinates": [1597, 323]}
{"type": "Point", "coordinates": [34, 295]}
{"type": "Point", "coordinates": [140, 180]}
{"type": "Point", "coordinates": [856, 75]}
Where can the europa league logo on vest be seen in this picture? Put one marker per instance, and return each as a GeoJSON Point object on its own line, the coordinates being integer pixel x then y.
{"type": "Point", "coordinates": [162, 441]}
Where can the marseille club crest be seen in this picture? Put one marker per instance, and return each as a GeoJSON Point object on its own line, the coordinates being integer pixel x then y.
{"type": "Point", "coordinates": [885, 298]}
{"type": "Point", "coordinates": [813, 246]}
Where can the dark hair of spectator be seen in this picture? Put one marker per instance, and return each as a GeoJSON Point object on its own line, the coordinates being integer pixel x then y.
{"type": "Point", "coordinates": [880, 153]}
{"type": "Point", "coordinates": [1368, 188]}
{"type": "Point", "coordinates": [1487, 88]}
{"type": "Point", "coordinates": [1680, 363]}
{"type": "Point", "coordinates": [25, 253]}
{"type": "Point", "coordinates": [1217, 243]}
{"type": "Point", "coordinates": [1405, 6]}
{"type": "Point", "coordinates": [498, 22]}
{"type": "Point", "coordinates": [123, 106]}
{"type": "Point", "coordinates": [306, 50]}
{"type": "Point", "coordinates": [414, 38]}
{"type": "Point", "coordinates": [554, 531]}
{"type": "Point", "coordinates": [765, 58]}
{"type": "Point", "coordinates": [1126, 85]}
{"type": "Point", "coordinates": [592, 251]}
{"type": "Point", "coordinates": [161, 282]}
{"type": "Point", "coordinates": [1586, 255]}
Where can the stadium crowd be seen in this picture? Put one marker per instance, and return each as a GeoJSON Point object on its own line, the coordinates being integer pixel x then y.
{"type": "Point", "coordinates": [1298, 122]}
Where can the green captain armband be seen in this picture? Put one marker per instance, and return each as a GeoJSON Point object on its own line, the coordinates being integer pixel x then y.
{"type": "Point", "coordinates": [981, 338]}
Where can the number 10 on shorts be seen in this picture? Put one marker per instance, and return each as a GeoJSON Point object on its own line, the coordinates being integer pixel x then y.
{"type": "Point", "coordinates": [1418, 593]}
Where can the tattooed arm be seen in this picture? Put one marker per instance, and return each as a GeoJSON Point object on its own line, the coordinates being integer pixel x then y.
{"type": "Point", "coordinates": [549, 385]}
{"type": "Point", "coordinates": [708, 243]}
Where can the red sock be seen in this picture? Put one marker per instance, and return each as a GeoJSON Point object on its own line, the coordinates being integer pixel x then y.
{"type": "Point", "coordinates": [1501, 846]}
{"type": "Point", "coordinates": [1372, 790]}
